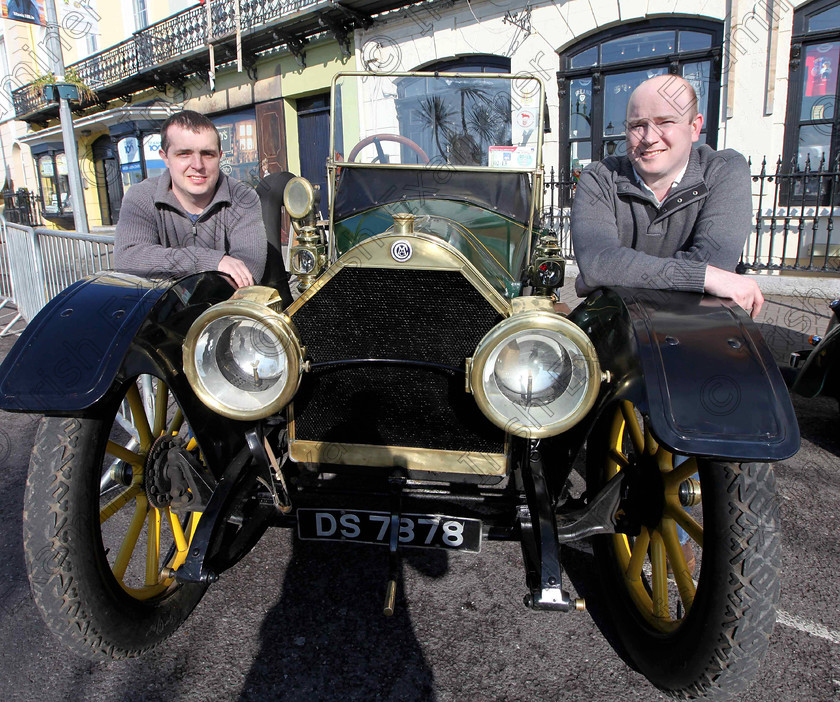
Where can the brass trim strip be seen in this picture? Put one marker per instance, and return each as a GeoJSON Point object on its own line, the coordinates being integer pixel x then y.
{"type": "Point", "coordinates": [431, 460]}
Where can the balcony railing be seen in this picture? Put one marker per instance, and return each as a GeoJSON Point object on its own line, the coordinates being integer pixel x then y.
{"type": "Point", "coordinates": [108, 67]}
{"type": "Point", "coordinates": [133, 64]}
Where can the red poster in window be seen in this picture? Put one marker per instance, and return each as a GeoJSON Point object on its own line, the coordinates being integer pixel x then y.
{"type": "Point", "coordinates": [821, 66]}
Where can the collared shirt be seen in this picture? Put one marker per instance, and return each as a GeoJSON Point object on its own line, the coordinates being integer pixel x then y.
{"type": "Point", "coordinates": [647, 189]}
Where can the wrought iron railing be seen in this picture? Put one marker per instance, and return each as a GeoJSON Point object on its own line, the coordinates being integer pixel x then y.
{"type": "Point", "coordinates": [21, 207]}
{"type": "Point", "coordinates": [557, 206]}
{"type": "Point", "coordinates": [108, 67]}
{"type": "Point", "coordinates": [165, 41]}
{"type": "Point", "coordinates": [27, 99]}
{"type": "Point", "coordinates": [795, 212]}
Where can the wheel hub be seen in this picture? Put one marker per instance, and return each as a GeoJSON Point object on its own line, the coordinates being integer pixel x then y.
{"type": "Point", "coordinates": [156, 478]}
{"type": "Point", "coordinates": [644, 503]}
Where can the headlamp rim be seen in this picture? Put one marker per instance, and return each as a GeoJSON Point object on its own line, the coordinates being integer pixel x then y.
{"type": "Point", "coordinates": [295, 182]}
{"type": "Point", "coordinates": [277, 324]}
{"type": "Point", "coordinates": [534, 320]}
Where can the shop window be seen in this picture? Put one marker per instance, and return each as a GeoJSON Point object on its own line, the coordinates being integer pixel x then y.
{"type": "Point", "coordinates": [55, 185]}
{"type": "Point", "coordinates": [137, 164]}
{"type": "Point", "coordinates": [238, 131]}
{"type": "Point", "coordinates": [154, 164]}
{"type": "Point", "coordinates": [131, 165]}
{"type": "Point", "coordinates": [598, 75]}
{"type": "Point", "coordinates": [811, 127]}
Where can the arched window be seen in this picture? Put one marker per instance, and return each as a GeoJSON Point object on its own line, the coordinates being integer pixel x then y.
{"type": "Point", "coordinates": [459, 112]}
{"type": "Point", "coordinates": [598, 74]}
{"type": "Point", "coordinates": [811, 130]}
{"type": "Point", "coordinates": [470, 63]}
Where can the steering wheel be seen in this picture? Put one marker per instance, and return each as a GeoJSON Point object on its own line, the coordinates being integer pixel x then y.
{"type": "Point", "coordinates": [376, 140]}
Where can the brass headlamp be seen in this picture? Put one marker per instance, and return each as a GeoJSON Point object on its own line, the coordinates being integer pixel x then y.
{"type": "Point", "coordinates": [308, 256]}
{"type": "Point", "coordinates": [242, 358]}
{"type": "Point", "coordinates": [536, 373]}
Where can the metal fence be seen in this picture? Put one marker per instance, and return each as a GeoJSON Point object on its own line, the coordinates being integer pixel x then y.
{"type": "Point", "coordinates": [37, 264]}
{"type": "Point", "coordinates": [557, 206]}
{"type": "Point", "coordinates": [795, 210]}
{"type": "Point", "coordinates": [7, 298]}
{"type": "Point", "coordinates": [21, 207]}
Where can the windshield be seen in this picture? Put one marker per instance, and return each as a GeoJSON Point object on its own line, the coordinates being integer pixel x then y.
{"type": "Point", "coordinates": [453, 120]}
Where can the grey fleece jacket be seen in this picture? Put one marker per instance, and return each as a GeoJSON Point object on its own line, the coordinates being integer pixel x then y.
{"type": "Point", "coordinates": [622, 237]}
{"type": "Point", "coordinates": [156, 237]}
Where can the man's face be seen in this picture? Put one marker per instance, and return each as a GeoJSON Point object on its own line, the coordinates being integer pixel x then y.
{"type": "Point", "coordinates": [659, 134]}
{"type": "Point", "coordinates": [193, 163]}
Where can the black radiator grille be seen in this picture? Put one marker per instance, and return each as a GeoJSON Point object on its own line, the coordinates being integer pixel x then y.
{"type": "Point", "coordinates": [433, 316]}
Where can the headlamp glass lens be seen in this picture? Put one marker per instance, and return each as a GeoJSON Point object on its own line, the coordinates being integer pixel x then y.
{"type": "Point", "coordinates": [532, 369]}
{"type": "Point", "coordinates": [535, 379]}
{"type": "Point", "coordinates": [241, 362]}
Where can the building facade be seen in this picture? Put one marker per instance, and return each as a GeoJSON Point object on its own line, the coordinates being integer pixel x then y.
{"type": "Point", "coordinates": [765, 71]}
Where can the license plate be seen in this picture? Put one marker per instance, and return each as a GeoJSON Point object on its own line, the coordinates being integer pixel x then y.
{"type": "Point", "coordinates": [416, 530]}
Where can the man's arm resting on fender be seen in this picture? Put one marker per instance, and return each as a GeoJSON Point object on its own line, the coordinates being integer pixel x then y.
{"type": "Point", "coordinates": [237, 270]}
{"type": "Point", "coordinates": [743, 290]}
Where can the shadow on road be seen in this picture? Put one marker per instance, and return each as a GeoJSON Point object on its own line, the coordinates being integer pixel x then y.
{"type": "Point", "coordinates": [327, 638]}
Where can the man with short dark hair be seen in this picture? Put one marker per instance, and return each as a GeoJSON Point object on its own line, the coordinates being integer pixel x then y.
{"type": "Point", "coordinates": [193, 217]}
{"type": "Point", "coordinates": [666, 216]}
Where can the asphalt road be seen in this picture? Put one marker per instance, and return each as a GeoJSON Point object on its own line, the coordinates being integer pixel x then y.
{"type": "Point", "coordinates": [304, 623]}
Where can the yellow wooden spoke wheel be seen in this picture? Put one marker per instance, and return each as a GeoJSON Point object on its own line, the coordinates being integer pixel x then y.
{"type": "Point", "coordinates": [102, 575]}
{"type": "Point", "coordinates": [144, 543]}
{"type": "Point", "coordinates": [689, 583]}
{"type": "Point", "coordinates": [657, 566]}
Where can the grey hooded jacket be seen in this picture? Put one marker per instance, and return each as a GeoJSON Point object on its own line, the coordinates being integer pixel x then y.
{"type": "Point", "coordinates": [622, 237]}
{"type": "Point", "coordinates": [156, 237]}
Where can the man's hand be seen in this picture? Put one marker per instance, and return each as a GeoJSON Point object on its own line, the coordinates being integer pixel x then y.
{"type": "Point", "coordinates": [236, 270]}
{"type": "Point", "coordinates": [743, 290]}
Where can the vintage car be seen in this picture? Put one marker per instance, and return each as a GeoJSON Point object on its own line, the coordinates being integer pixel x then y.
{"type": "Point", "coordinates": [424, 390]}
{"type": "Point", "coordinates": [814, 372]}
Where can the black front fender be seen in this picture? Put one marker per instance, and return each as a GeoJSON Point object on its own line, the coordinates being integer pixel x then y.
{"type": "Point", "coordinates": [69, 356]}
{"type": "Point", "coordinates": [697, 366]}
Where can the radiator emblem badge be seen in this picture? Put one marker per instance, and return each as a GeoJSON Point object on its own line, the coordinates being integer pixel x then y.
{"type": "Point", "coordinates": [401, 251]}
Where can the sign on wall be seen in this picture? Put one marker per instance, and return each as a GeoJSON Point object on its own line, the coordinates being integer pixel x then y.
{"type": "Point", "coordinates": [31, 11]}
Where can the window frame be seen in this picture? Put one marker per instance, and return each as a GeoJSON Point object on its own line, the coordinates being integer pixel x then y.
{"type": "Point", "coordinates": [672, 62]}
{"type": "Point", "coordinates": [52, 156]}
{"type": "Point", "coordinates": [141, 14]}
{"type": "Point", "coordinates": [801, 39]}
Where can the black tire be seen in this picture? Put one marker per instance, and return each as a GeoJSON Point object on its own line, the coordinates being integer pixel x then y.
{"type": "Point", "coordinates": [71, 571]}
{"type": "Point", "coordinates": [712, 646]}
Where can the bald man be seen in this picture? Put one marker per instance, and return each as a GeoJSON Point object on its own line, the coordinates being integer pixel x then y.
{"type": "Point", "coordinates": [666, 216]}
